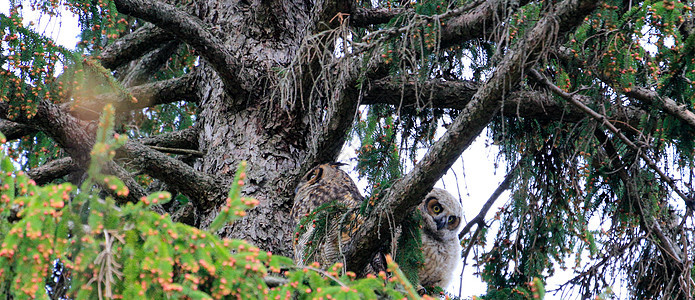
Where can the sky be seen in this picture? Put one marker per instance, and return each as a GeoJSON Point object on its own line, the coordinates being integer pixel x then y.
{"type": "Point", "coordinates": [473, 178]}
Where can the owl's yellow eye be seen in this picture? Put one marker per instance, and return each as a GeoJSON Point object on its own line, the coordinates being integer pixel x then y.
{"type": "Point", "coordinates": [437, 208]}
{"type": "Point", "coordinates": [451, 219]}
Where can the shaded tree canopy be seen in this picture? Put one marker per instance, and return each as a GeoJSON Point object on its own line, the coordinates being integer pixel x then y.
{"type": "Point", "coordinates": [591, 102]}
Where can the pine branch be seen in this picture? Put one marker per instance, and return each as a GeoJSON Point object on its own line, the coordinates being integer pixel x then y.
{"type": "Point", "coordinates": [199, 186]}
{"type": "Point", "coordinates": [363, 17]}
{"type": "Point", "coordinates": [670, 106]}
{"type": "Point", "coordinates": [146, 67]}
{"type": "Point", "coordinates": [438, 93]}
{"type": "Point", "coordinates": [133, 45]}
{"type": "Point", "coordinates": [645, 95]}
{"type": "Point", "coordinates": [647, 221]}
{"type": "Point", "coordinates": [479, 23]}
{"type": "Point", "coordinates": [407, 193]}
{"type": "Point", "coordinates": [12, 130]}
{"type": "Point", "coordinates": [193, 32]}
{"type": "Point", "coordinates": [52, 170]}
{"type": "Point", "coordinates": [578, 101]}
{"type": "Point", "coordinates": [183, 139]}
{"type": "Point", "coordinates": [147, 95]}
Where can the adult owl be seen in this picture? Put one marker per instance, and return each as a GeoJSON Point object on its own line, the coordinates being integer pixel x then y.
{"type": "Point", "coordinates": [324, 184]}
{"type": "Point", "coordinates": [441, 223]}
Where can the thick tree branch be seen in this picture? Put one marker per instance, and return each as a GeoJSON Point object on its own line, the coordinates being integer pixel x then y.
{"type": "Point", "coordinates": [479, 22]}
{"type": "Point", "coordinates": [432, 93]}
{"type": "Point", "coordinates": [200, 187]}
{"type": "Point", "coordinates": [146, 67]}
{"type": "Point", "coordinates": [133, 45]}
{"type": "Point", "coordinates": [71, 134]}
{"type": "Point", "coordinates": [362, 17]}
{"type": "Point", "coordinates": [193, 32]}
{"type": "Point", "coordinates": [13, 130]}
{"type": "Point", "coordinates": [53, 169]}
{"type": "Point", "coordinates": [670, 106]}
{"type": "Point", "coordinates": [147, 95]}
{"type": "Point", "coordinates": [66, 130]}
{"type": "Point", "coordinates": [182, 139]}
{"type": "Point", "coordinates": [408, 192]}
{"type": "Point", "coordinates": [437, 93]}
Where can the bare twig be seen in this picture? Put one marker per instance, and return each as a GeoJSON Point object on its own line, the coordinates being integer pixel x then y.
{"type": "Point", "coordinates": [480, 218]}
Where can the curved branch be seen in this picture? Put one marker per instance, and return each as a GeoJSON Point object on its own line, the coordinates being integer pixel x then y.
{"type": "Point", "coordinates": [133, 46]}
{"type": "Point", "coordinates": [193, 32]}
{"type": "Point", "coordinates": [408, 192]}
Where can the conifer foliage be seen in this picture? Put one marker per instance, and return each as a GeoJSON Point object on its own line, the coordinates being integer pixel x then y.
{"type": "Point", "coordinates": [158, 157]}
{"type": "Point", "coordinates": [60, 241]}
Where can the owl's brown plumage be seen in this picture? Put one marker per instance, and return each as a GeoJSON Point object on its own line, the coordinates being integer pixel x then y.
{"type": "Point", "coordinates": [323, 184]}
{"type": "Point", "coordinates": [441, 223]}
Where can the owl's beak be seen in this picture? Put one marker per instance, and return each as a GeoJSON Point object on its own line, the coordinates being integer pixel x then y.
{"type": "Point", "coordinates": [441, 222]}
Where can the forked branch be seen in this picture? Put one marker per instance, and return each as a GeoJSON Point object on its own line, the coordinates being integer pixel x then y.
{"type": "Point", "coordinates": [133, 45]}
{"type": "Point", "coordinates": [193, 32]}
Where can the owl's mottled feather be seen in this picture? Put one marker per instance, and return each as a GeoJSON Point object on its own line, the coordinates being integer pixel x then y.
{"type": "Point", "coordinates": [324, 184]}
{"type": "Point", "coordinates": [441, 223]}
